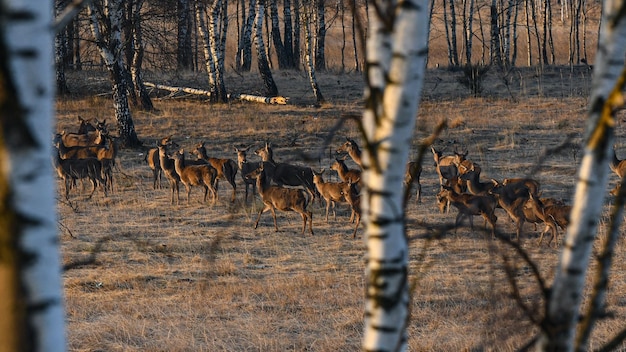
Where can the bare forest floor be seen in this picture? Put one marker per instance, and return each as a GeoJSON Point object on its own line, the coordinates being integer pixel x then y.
{"type": "Point", "coordinates": [144, 275]}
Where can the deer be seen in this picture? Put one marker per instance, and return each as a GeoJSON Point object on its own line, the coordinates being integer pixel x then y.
{"type": "Point", "coordinates": [469, 205]}
{"type": "Point", "coordinates": [534, 209]}
{"type": "Point", "coordinates": [168, 169]}
{"type": "Point", "coordinates": [511, 198]}
{"type": "Point", "coordinates": [531, 184]}
{"type": "Point", "coordinates": [345, 174]}
{"type": "Point", "coordinates": [85, 126]}
{"type": "Point", "coordinates": [412, 176]}
{"type": "Point", "coordinates": [474, 185]}
{"type": "Point", "coordinates": [446, 166]}
{"type": "Point", "coordinates": [332, 192]}
{"type": "Point", "coordinates": [354, 199]}
{"type": "Point", "coordinates": [107, 156]}
{"type": "Point", "coordinates": [203, 175]}
{"type": "Point", "coordinates": [352, 148]}
{"type": "Point", "coordinates": [152, 158]}
{"type": "Point", "coordinates": [85, 140]}
{"type": "Point", "coordinates": [619, 168]}
{"type": "Point", "coordinates": [286, 174]}
{"type": "Point", "coordinates": [72, 169]}
{"type": "Point", "coordinates": [246, 168]}
{"type": "Point", "coordinates": [226, 168]}
{"type": "Point", "coordinates": [281, 198]}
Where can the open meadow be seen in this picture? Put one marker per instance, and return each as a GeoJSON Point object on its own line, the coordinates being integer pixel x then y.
{"type": "Point", "coordinates": [144, 275]}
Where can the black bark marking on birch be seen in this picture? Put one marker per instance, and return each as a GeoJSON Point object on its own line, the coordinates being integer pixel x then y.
{"type": "Point", "coordinates": [385, 329]}
{"type": "Point", "coordinates": [409, 6]}
{"type": "Point", "coordinates": [379, 283]}
{"type": "Point", "coordinates": [574, 272]}
{"type": "Point", "coordinates": [21, 15]}
{"type": "Point", "coordinates": [42, 306]}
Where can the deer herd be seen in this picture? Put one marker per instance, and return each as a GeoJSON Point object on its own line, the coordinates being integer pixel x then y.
{"type": "Point", "coordinates": [90, 154]}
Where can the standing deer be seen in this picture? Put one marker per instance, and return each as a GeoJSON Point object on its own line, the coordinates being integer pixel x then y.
{"type": "Point", "coordinates": [411, 176]}
{"type": "Point", "coordinates": [169, 170]}
{"type": "Point", "coordinates": [195, 175]}
{"type": "Point", "coordinates": [447, 166]}
{"type": "Point", "coordinates": [284, 199]}
{"type": "Point", "coordinates": [246, 168]}
{"type": "Point", "coordinates": [512, 198]}
{"type": "Point", "coordinates": [352, 149]}
{"type": "Point", "coordinates": [71, 170]}
{"type": "Point", "coordinates": [286, 174]}
{"type": "Point", "coordinates": [226, 168]}
{"type": "Point", "coordinates": [332, 192]}
{"type": "Point", "coordinates": [152, 158]}
{"type": "Point", "coordinates": [345, 174]}
{"type": "Point", "coordinates": [469, 205]}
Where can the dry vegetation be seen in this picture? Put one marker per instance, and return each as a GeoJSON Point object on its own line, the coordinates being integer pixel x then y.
{"type": "Point", "coordinates": [144, 275]}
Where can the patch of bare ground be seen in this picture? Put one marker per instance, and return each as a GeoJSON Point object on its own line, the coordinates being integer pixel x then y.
{"type": "Point", "coordinates": [144, 275]}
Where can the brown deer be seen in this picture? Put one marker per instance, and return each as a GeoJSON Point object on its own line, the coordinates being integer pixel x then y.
{"type": "Point", "coordinates": [474, 185]}
{"type": "Point", "coordinates": [152, 158]}
{"type": "Point", "coordinates": [619, 168]}
{"type": "Point", "coordinates": [246, 168]}
{"type": "Point", "coordinates": [332, 192]}
{"type": "Point", "coordinates": [169, 170]}
{"type": "Point", "coordinates": [532, 185]}
{"type": "Point", "coordinates": [107, 156]}
{"type": "Point", "coordinates": [226, 168]}
{"type": "Point", "coordinates": [345, 174]}
{"type": "Point", "coordinates": [71, 170]}
{"type": "Point", "coordinates": [284, 199]}
{"type": "Point", "coordinates": [446, 166]}
{"type": "Point", "coordinates": [469, 205]}
{"type": "Point", "coordinates": [412, 176]}
{"type": "Point", "coordinates": [352, 148]}
{"type": "Point", "coordinates": [286, 174]}
{"type": "Point", "coordinates": [195, 175]}
{"type": "Point", "coordinates": [85, 126]}
{"type": "Point", "coordinates": [534, 209]}
{"type": "Point", "coordinates": [511, 198]}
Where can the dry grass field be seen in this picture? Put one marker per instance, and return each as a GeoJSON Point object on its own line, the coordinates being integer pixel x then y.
{"type": "Point", "coordinates": [144, 275]}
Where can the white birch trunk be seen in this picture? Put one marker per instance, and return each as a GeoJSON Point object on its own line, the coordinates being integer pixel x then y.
{"type": "Point", "coordinates": [31, 303]}
{"type": "Point", "coordinates": [608, 80]}
{"type": "Point", "coordinates": [395, 65]}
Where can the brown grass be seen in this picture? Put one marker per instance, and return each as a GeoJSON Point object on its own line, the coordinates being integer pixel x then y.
{"type": "Point", "coordinates": [198, 277]}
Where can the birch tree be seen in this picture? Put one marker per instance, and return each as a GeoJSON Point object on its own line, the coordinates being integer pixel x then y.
{"type": "Point", "coordinates": [559, 332]}
{"type": "Point", "coordinates": [30, 276]}
{"type": "Point", "coordinates": [396, 51]}
{"type": "Point", "coordinates": [106, 20]}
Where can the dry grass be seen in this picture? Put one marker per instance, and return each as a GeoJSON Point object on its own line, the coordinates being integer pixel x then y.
{"type": "Point", "coordinates": [148, 276]}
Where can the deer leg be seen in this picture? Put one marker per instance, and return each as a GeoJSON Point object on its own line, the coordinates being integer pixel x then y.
{"type": "Point", "coordinates": [274, 216]}
{"type": "Point", "coordinates": [327, 207]}
{"type": "Point", "coordinates": [256, 224]}
{"type": "Point", "coordinates": [310, 215]}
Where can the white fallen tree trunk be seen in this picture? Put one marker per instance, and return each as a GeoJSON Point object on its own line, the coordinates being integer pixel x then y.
{"type": "Point", "coordinates": [195, 91]}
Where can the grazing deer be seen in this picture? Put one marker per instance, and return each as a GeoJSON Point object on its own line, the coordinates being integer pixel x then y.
{"type": "Point", "coordinates": [512, 198]}
{"type": "Point", "coordinates": [71, 170]}
{"type": "Point", "coordinates": [345, 174]}
{"type": "Point", "coordinates": [411, 176]}
{"type": "Point", "coordinates": [446, 166]}
{"type": "Point", "coordinates": [226, 168]}
{"type": "Point", "coordinates": [284, 199]}
{"type": "Point", "coordinates": [352, 149]}
{"type": "Point", "coordinates": [469, 205]}
{"type": "Point", "coordinates": [152, 158]}
{"type": "Point", "coordinates": [286, 174]}
{"type": "Point", "coordinates": [169, 170]}
{"type": "Point", "coordinates": [332, 192]}
{"type": "Point", "coordinates": [195, 175]}
{"type": "Point", "coordinates": [246, 168]}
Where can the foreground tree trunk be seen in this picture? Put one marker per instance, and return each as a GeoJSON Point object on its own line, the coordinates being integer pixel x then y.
{"type": "Point", "coordinates": [395, 65]}
{"type": "Point", "coordinates": [30, 277]}
{"type": "Point", "coordinates": [564, 305]}
{"type": "Point", "coordinates": [106, 19]}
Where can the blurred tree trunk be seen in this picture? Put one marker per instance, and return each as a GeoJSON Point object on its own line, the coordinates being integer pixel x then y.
{"type": "Point", "coordinates": [288, 30]}
{"type": "Point", "coordinates": [279, 47]}
{"type": "Point", "coordinates": [31, 299]}
{"type": "Point", "coordinates": [244, 49]}
{"type": "Point", "coordinates": [308, 60]}
{"type": "Point", "coordinates": [106, 21]}
{"type": "Point", "coordinates": [60, 52]}
{"type": "Point", "coordinates": [136, 73]}
{"type": "Point", "coordinates": [271, 90]}
{"type": "Point", "coordinates": [184, 51]}
{"type": "Point", "coordinates": [320, 37]}
{"type": "Point", "coordinates": [559, 329]}
{"type": "Point", "coordinates": [397, 47]}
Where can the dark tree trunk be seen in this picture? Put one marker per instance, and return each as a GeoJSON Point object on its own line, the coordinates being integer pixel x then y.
{"type": "Point", "coordinates": [244, 62]}
{"type": "Point", "coordinates": [320, 39]}
{"type": "Point", "coordinates": [184, 52]}
{"type": "Point", "coordinates": [135, 68]}
{"type": "Point", "coordinates": [288, 32]}
{"type": "Point", "coordinates": [296, 33]}
{"type": "Point", "coordinates": [276, 38]}
{"type": "Point", "coordinates": [262, 61]}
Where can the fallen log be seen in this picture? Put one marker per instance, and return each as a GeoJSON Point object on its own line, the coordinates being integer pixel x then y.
{"type": "Point", "coordinates": [195, 91]}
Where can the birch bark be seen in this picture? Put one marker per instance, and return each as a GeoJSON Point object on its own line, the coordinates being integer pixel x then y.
{"type": "Point", "coordinates": [397, 47]}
